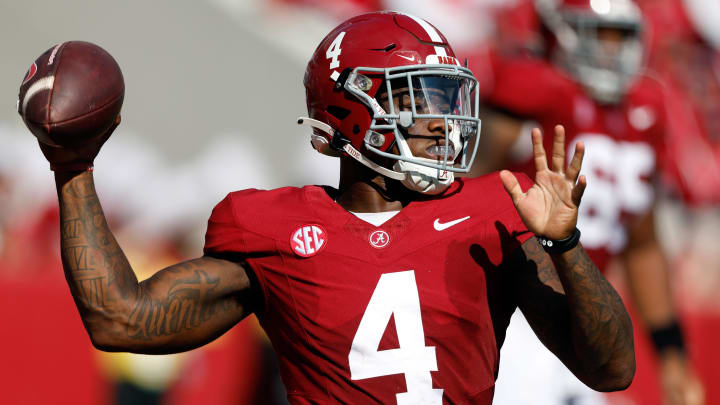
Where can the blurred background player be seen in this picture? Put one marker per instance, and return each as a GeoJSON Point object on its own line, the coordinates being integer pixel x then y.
{"type": "Point", "coordinates": [683, 53]}
{"type": "Point", "coordinates": [583, 69]}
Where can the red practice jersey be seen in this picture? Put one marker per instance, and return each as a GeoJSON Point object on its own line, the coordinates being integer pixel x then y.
{"type": "Point", "coordinates": [409, 312]}
{"type": "Point", "coordinates": [623, 143]}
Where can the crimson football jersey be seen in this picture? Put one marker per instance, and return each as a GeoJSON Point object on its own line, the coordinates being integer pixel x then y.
{"type": "Point", "coordinates": [622, 143]}
{"type": "Point", "coordinates": [409, 312]}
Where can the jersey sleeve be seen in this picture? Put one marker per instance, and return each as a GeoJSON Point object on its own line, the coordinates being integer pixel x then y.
{"type": "Point", "coordinates": [225, 232]}
{"type": "Point", "coordinates": [523, 86]}
{"type": "Point", "coordinates": [222, 232]}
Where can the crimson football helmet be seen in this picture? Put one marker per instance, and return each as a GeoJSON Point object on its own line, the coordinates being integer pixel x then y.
{"type": "Point", "coordinates": [372, 78]}
{"type": "Point", "coordinates": [575, 25]}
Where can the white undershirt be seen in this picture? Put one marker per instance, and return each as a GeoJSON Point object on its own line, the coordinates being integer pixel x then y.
{"type": "Point", "coordinates": [375, 218]}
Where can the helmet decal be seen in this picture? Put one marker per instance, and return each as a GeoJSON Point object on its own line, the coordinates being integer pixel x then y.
{"type": "Point", "coordinates": [441, 60]}
{"type": "Point", "coordinates": [332, 53]}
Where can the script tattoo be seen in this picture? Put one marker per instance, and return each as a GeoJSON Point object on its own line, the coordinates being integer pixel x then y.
{"type": "Point", "coordinates": [185, 307]}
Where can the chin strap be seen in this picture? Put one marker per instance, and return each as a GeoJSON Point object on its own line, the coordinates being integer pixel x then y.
{"type": "Point", "coordinates": [346, 146]}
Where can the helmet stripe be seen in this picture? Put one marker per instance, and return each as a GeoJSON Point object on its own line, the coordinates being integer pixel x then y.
{"type": "Point", "coordinates": [431, 31]}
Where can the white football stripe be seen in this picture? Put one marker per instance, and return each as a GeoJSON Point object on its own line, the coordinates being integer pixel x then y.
{"type": "Point", "coordinates": [53, 53]}
{"type": "Point", "coordinates": [46, 83]}
{"type": "Point", "coordinates": [431, 31]}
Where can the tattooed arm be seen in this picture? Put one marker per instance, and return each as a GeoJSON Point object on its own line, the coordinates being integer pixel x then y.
{"type": "Point", "coordinates": [179, 308]}
{"type": "Point", "coordinates": [577, 314]}
{"type": "Point", "coordinates": [569, 304]}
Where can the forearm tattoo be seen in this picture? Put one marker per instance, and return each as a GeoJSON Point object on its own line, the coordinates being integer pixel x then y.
{"type": "Point", "coordinates": [96, 267]}
{"type": "Point", "coordinates": [574, 310]}
{"type": "Point", "coordinates": [600, 316]}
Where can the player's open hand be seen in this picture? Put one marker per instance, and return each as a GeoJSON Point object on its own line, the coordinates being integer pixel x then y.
{"type": "Point", "coordinates": [680, 384]}
{"type": "Point", "coordinates": [550, 207]}
{"type": "Point", "coordinates": [81, 154]}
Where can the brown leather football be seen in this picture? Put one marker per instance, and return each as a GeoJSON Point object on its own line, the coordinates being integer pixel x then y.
{"type": "Point", "coordinates": [71, 93]}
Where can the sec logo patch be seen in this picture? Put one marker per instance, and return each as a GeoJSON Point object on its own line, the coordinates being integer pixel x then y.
{"type": "Point", "coordinates": [308, 240]}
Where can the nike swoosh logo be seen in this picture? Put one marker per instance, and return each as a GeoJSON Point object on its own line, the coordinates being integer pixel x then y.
{"type": "Point", "coordinates": [411, 58]}
{"type": "Point", "coordinates": [441, 226]}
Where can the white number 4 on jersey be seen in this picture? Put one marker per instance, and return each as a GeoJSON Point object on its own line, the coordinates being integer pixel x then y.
{"type": "Point", "coordinates": [396, 293]}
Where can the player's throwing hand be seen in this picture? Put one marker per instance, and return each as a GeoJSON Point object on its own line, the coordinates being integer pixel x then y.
{"type": "Point", "coordinates": [550, 207]}
{"type": "Point", "coordinates": [79, 156]}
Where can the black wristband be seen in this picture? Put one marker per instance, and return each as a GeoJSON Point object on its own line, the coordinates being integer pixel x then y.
{"type": "Point", "coordinates": [667, 337]}
{"type": "Point", "coordinates": [71, 167]}
{"type": "Point", "coordinates": [559, 246]}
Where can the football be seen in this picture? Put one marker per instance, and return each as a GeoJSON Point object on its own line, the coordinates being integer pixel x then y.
{"type": "Point", "coordinates": [71, 93]}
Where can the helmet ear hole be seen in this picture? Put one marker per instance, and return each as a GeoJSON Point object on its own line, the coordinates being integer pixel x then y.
{"type": "Point", "coordinates": [321, 144]}
{"type": "Point", "coordinates": [338, 112]}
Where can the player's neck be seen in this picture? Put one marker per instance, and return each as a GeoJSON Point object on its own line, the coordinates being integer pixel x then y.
{"type": "Point", "coordinates": [363, 190]}
{"type": "Point", "coordinates": [366, 197]}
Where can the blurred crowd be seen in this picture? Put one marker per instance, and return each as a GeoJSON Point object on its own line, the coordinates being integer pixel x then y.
{"type": "Point", "coordinates": [48, 357]}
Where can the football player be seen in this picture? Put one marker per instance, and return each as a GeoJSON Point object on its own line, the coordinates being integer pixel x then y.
{"type": "Point", "coordinates": [396, 287]}
{"type": "Point", "coordinates": [587, 78]}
